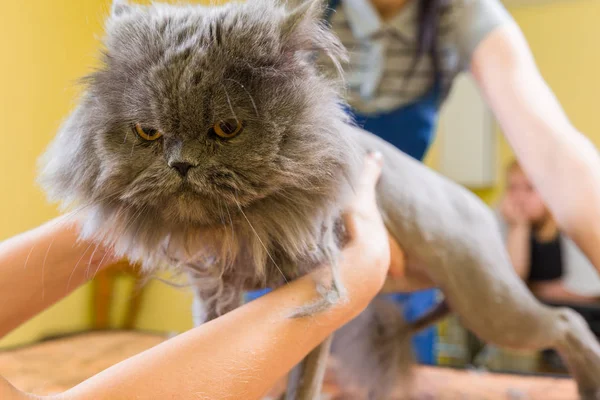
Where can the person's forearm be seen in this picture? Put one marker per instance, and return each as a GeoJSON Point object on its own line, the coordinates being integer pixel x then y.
{"type": "Point", "coordinates": [242, 354]}
{"type": "Point", "coordinates": [567, 175]}
{"type": "Point", "coordinates": [576, 199]}
{"type": "Point", "coordinates": [555, 292]}
{"type": "Point", "coordinates": [518, 248]}
{"type": "Point", "coordinates": [570, 185]}
{"type": "Point", "coordinates": [41, 266]}
{"type": "Point", "coordinates": [564, 167]}
{"type": "Point", "coordinates": [563, 164]}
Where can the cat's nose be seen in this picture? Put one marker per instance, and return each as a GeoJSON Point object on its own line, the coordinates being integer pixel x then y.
{"type": "Point", "coordinates": [181, 167]}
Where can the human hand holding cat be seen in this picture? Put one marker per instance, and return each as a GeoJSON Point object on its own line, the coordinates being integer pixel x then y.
{"type": "Point", "coordinates": [282, 342]}
{"type": "Point", "coordinates": [365, 225]}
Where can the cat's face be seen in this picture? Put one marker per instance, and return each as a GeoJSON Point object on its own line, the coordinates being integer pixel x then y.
{"type": "Point", "coordinates": [197, 108]}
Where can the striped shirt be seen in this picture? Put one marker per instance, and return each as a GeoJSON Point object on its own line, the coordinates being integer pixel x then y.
{"type": "Point", "coordinates": [382, 53]}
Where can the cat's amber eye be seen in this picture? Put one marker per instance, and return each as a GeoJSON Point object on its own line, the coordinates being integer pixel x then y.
{"type": "Point", "coordinates": [147, 133]}
{"type": "Point", "coordinates": [228, 128]}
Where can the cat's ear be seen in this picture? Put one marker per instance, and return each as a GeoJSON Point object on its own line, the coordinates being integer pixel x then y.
{"type": "Point", "coordinates": [307, 12]}
{"type": "Point", "coordinates": [120, 7]}
{"type": "Point", "coordinates": [305, 31]}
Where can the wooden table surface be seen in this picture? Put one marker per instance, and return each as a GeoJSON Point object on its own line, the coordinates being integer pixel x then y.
{"type": "Point", "coordinates": [54, 366]}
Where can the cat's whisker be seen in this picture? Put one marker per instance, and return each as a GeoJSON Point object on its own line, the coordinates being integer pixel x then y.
{"type": "Point", "coordinates": [221, 216]}
{"type": "Point", "coordinates": [130, 218]}
{"type": "Point", "coordinates": [113, 197]}
{"type": "Point", "coordinates": [94, 203]}
{"type": "Point", "coordinates": [28, 255]}
{"type": "Point", "coordinates": [107, 252]}
{"type": "Point", "coordinates": [232, 231]}
{"type": "Point", "coordinates": [223, 222]}
{"type": "Point", "coordinates": [292, 200]}
{"type": "Point", "coordinates": [44, 266]}
{"type": "Point", "coordinates": [229, 103]}
{"type": "Point", "coordinates": [248, 93]}
{"type": "Point", "coordinates": [136, 217]}
{"type": "Point", "coordinates": [349, 181]}
{"type": "Point", "coordinates": [89, 266]}
{"type": "Point", "coordinates": [260, 240]}
{"type": "Point", "coordinates": [99, 264]}
{"type": "Point", "coordinates": [76, 265]}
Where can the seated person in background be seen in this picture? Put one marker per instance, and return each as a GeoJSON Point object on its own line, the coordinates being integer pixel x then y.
{"type": "Point", "coordinates": [553, 267]}
{"type": "Point", "coordinates": [551, 264]}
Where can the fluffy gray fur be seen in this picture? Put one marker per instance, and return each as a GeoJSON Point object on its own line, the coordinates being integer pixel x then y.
{"type": "Point", "coordinates": [254, 211]}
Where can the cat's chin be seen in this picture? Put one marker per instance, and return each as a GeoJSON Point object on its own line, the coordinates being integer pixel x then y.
{"type": "Point", "coordinates": [213, 194]}
{"type": "Point", "coordinates": [193, 210]}
{"type": "Point", "coordinates": [190, 209]}
{"type": "Point", "coordinates": [212, 205]}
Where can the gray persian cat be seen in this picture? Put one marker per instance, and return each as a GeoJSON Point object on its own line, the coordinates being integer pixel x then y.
{"type": "Point", "coordinates": [209, 141]}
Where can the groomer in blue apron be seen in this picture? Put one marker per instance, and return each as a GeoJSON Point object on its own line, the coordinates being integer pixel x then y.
{"type": "Point", "coordinates": [404, 56]}
{"type": "Point", "coordinates": [395, 93]}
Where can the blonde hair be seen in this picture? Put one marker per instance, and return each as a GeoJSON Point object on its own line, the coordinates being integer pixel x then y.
{"type": "Point", "coordinates": [513, 166]}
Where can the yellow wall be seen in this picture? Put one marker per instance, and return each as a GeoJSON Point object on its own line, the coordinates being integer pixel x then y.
{"type": "Point", "coordinates": [47, 45]}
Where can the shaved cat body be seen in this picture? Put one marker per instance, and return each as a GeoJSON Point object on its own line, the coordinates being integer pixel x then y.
{"type": "Point", "coordinates": [209, 141]}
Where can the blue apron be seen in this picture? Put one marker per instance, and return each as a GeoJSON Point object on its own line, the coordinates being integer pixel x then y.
{"type": "Point", "coordinates": [411, 129]}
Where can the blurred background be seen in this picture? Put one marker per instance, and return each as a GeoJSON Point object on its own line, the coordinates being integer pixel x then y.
{"type": "Point", "coordinates": [48, 45]}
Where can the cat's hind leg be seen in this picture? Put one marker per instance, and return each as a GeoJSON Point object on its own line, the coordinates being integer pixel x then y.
{"type": "Point", "coordinates": [494, 303]}
{"type": "Point", "coordinates": [213, 298]}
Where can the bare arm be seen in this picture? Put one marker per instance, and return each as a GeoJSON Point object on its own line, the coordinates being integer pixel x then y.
{"type": "Point", "coordinates": [41, 266]}
{"type": "Point", "coordinates": [518, 233]}
{"type": "Point", "coordinates": [518, 248]}
{"type": "Point", "coordinates": [242, 354]}
{"type": "Point", "coordinates": [563, 164]}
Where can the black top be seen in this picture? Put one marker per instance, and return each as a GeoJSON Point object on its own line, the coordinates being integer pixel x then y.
{"type": "Point", "coordinates": [546, 260]}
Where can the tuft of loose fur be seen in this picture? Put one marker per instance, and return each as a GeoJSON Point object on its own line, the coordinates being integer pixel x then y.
{"type": "Point", "coordinates": [254, 211]}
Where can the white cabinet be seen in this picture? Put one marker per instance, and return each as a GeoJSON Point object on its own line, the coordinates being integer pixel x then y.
{"type": "Point", "coordinates": [467, 137]}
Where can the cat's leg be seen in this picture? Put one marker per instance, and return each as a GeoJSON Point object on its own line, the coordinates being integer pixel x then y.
{"type": "Point", "coordinates": [293, 382]}
{"type": "Point", "coordinates": [213, 298]}
{"type": "Point", "coordinates": [306, 379]}
{"type": "Point", "coordinates": [373, 354]}
{"type": "Point", "coordinates": [496, 305]}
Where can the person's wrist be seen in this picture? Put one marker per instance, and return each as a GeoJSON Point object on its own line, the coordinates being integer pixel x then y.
{"type": "Point", "coordinates": [520, 225]}
{"type": "Point", "coordinates": [366, 275]}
